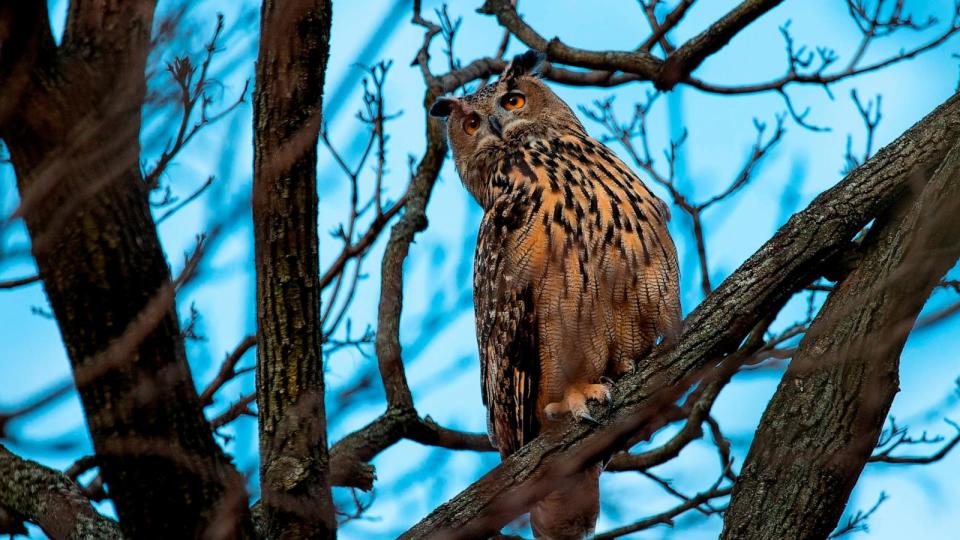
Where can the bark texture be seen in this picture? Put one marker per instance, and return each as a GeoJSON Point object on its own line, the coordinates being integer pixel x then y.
{"type": "Point", "coordinates": [51, 500]}
{"type": "Point", "coordinates": [70, 116]}
{"type": "Point", "coordinates": [822, 424]}
{"type": "Point", "coordinates": [802, 250]}
{"type": "Point", "coordinates": [294, 46]}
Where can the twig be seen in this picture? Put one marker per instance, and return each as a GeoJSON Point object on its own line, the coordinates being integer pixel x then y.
{"type": "Point", "coordinates": [871, 119]}
{"type": "Point", "coordinates": [667, 517]}
{"type": "Point", "coordinates": [227, 369]}
{"type": "Point", "coordinates": [803, 66]}
{"type": "Point", "coordinates": [858, 521]}
{"type": "Point", "coordinates": [192, 91]}
{"type": "Point", "coordinates": [660, 29]}
{"type": "Point", "coordinates": [192, 197]}
{"type": "Point", "coordinates": [239, 408]}
{"type": "Point", "coordinates": [19, 282]}
{"type": "Point", "coordinates": [896, 437]}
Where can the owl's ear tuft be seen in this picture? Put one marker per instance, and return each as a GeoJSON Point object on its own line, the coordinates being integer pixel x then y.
{"type": "Point", "coordinates": [442, 107]}
{"type": "Point", "coordinates": [528, 63]}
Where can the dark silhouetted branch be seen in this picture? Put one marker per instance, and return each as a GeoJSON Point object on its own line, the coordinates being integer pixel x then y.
{"type": "Point", "coordinates": [18, 282]}
{"type": "Point", "coordinates": [900, 438]}
{"type": "Point", "coordinates": [683, 61]}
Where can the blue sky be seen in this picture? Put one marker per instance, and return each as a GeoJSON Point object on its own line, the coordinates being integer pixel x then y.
{"type": "Point", "coordinates": [437, 324]}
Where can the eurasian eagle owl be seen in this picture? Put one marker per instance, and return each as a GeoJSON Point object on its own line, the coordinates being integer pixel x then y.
{"type": "Point", "coordinates": [575, 275]}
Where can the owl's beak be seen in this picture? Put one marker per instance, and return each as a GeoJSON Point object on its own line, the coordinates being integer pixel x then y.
{"type": "Point", "coordinates": [495, 126]}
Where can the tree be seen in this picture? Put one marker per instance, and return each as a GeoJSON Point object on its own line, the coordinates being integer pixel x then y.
{"type": "Point", "coordinates": [294, 46]}
{"type": "Point", "coordinates": [865, 256]}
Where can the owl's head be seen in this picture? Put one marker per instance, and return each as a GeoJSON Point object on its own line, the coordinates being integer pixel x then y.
{"type": "Point", "coordinates": [499, 117]}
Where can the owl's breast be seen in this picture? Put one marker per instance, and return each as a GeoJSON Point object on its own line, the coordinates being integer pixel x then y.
{"type": "Point", "coordinates": [572, 206]}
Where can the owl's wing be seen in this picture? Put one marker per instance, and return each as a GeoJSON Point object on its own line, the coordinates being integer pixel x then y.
{"type": "Point", "coordinates": [645, 243]}
{"type": "Point", "coordinates": [507, 336]}
{"type": "Point", "coordinates": [666, 274]}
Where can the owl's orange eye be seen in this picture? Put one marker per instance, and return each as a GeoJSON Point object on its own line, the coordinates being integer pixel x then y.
{"type": "Point", "coordinates": [513, 101]}
{"type": "Point", "coordinates": [471, 123]}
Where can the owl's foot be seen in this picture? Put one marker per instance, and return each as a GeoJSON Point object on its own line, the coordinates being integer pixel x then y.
{"type": "Point", "coordinates": [575, 401]}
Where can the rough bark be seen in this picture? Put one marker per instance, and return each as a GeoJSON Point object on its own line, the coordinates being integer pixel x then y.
{"type": "Point", "coordinates": [294, 46]}
{"type": "Point", "coordinates": [802, 250]}
{"type": "Point", "coordinates": [822, 424]}
{"type": "Point", "coordinates": [50, 500]}
{"type": "Point", "coordinates": [70, 116]}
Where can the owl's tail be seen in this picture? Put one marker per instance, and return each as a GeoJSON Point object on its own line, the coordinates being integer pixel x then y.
{"type": "Point", "coordinates": [569, 513]}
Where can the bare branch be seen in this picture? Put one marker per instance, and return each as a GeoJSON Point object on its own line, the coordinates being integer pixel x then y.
{"type": "Point", "coordinates": [680, 63]}
{"type": "Point", "coordinates": [898, 438]}
{"type": "Point", "coordinates": [811, 67]}
{"type": "Point", "coordinates": [667, 517]}
{"type": "Point", "coordinates": [192, 197]}
{"type": "Point", "coordinates": [51, 500]}
{"type": "Point", "coordinates": [227, 369]}
{"type": "Point", "coordinates": [19, 282]}
{"type": "Point", "coordinates": [638, 62]}
{"type": "Point", "coordinates": [192, 92]}
{"type": "Point", "coordinates": [636, 128]}
{"type": "Point", "coordinates": [350, 456]}
{"type": "Point", "coordinates": [858, 521]}
{"type": "Point", "coordinates": [239, 408]}
{"type": "Point", "coordinates": [871, 119]}
{"type": "Point", "coordinates": [661, 28]}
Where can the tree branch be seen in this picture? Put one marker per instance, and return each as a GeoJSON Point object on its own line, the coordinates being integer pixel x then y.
{"type": "Point", "coordinates": [667, 517]}
{"type": "Point", "coordinates": [349, 457]}
{"type": "Point", "coordinates": [641, 62]}
{"type": "Point", "coordinates": [19, 282]}
{"type": "Point", "coordinates": [885, 457]}
{"type": "Point", "coordinates": [51, 500]}
{"type": "Point", "coordinates": [665, 74]}
{"type": "Point", "coordinates": [680, 63]}
{"type": "Point", "coordinates": [227, 369]}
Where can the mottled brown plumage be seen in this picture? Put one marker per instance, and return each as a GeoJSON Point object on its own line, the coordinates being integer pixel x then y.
{"type": "Point", "coordinates": [575, 274]}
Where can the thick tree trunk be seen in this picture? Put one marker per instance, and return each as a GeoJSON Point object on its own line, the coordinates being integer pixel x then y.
{"type": "Point", "coordinates": [71, 120]}
{"type": "Point", "coordinates": [822, 424]}
{"type": "Point", "coordinates": [294, 45]}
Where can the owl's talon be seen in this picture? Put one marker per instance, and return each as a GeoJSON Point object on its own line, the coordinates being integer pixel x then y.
{"type": "Point", "coordinates": [599, 392]}
{"type": "Point", "coordinates": [575, 399]}
{"type": "Point", "coordinates": [585, 417]}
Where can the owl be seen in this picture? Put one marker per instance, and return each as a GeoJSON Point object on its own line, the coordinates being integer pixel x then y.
{"type": "Point", "coordinates": [575, 273]}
